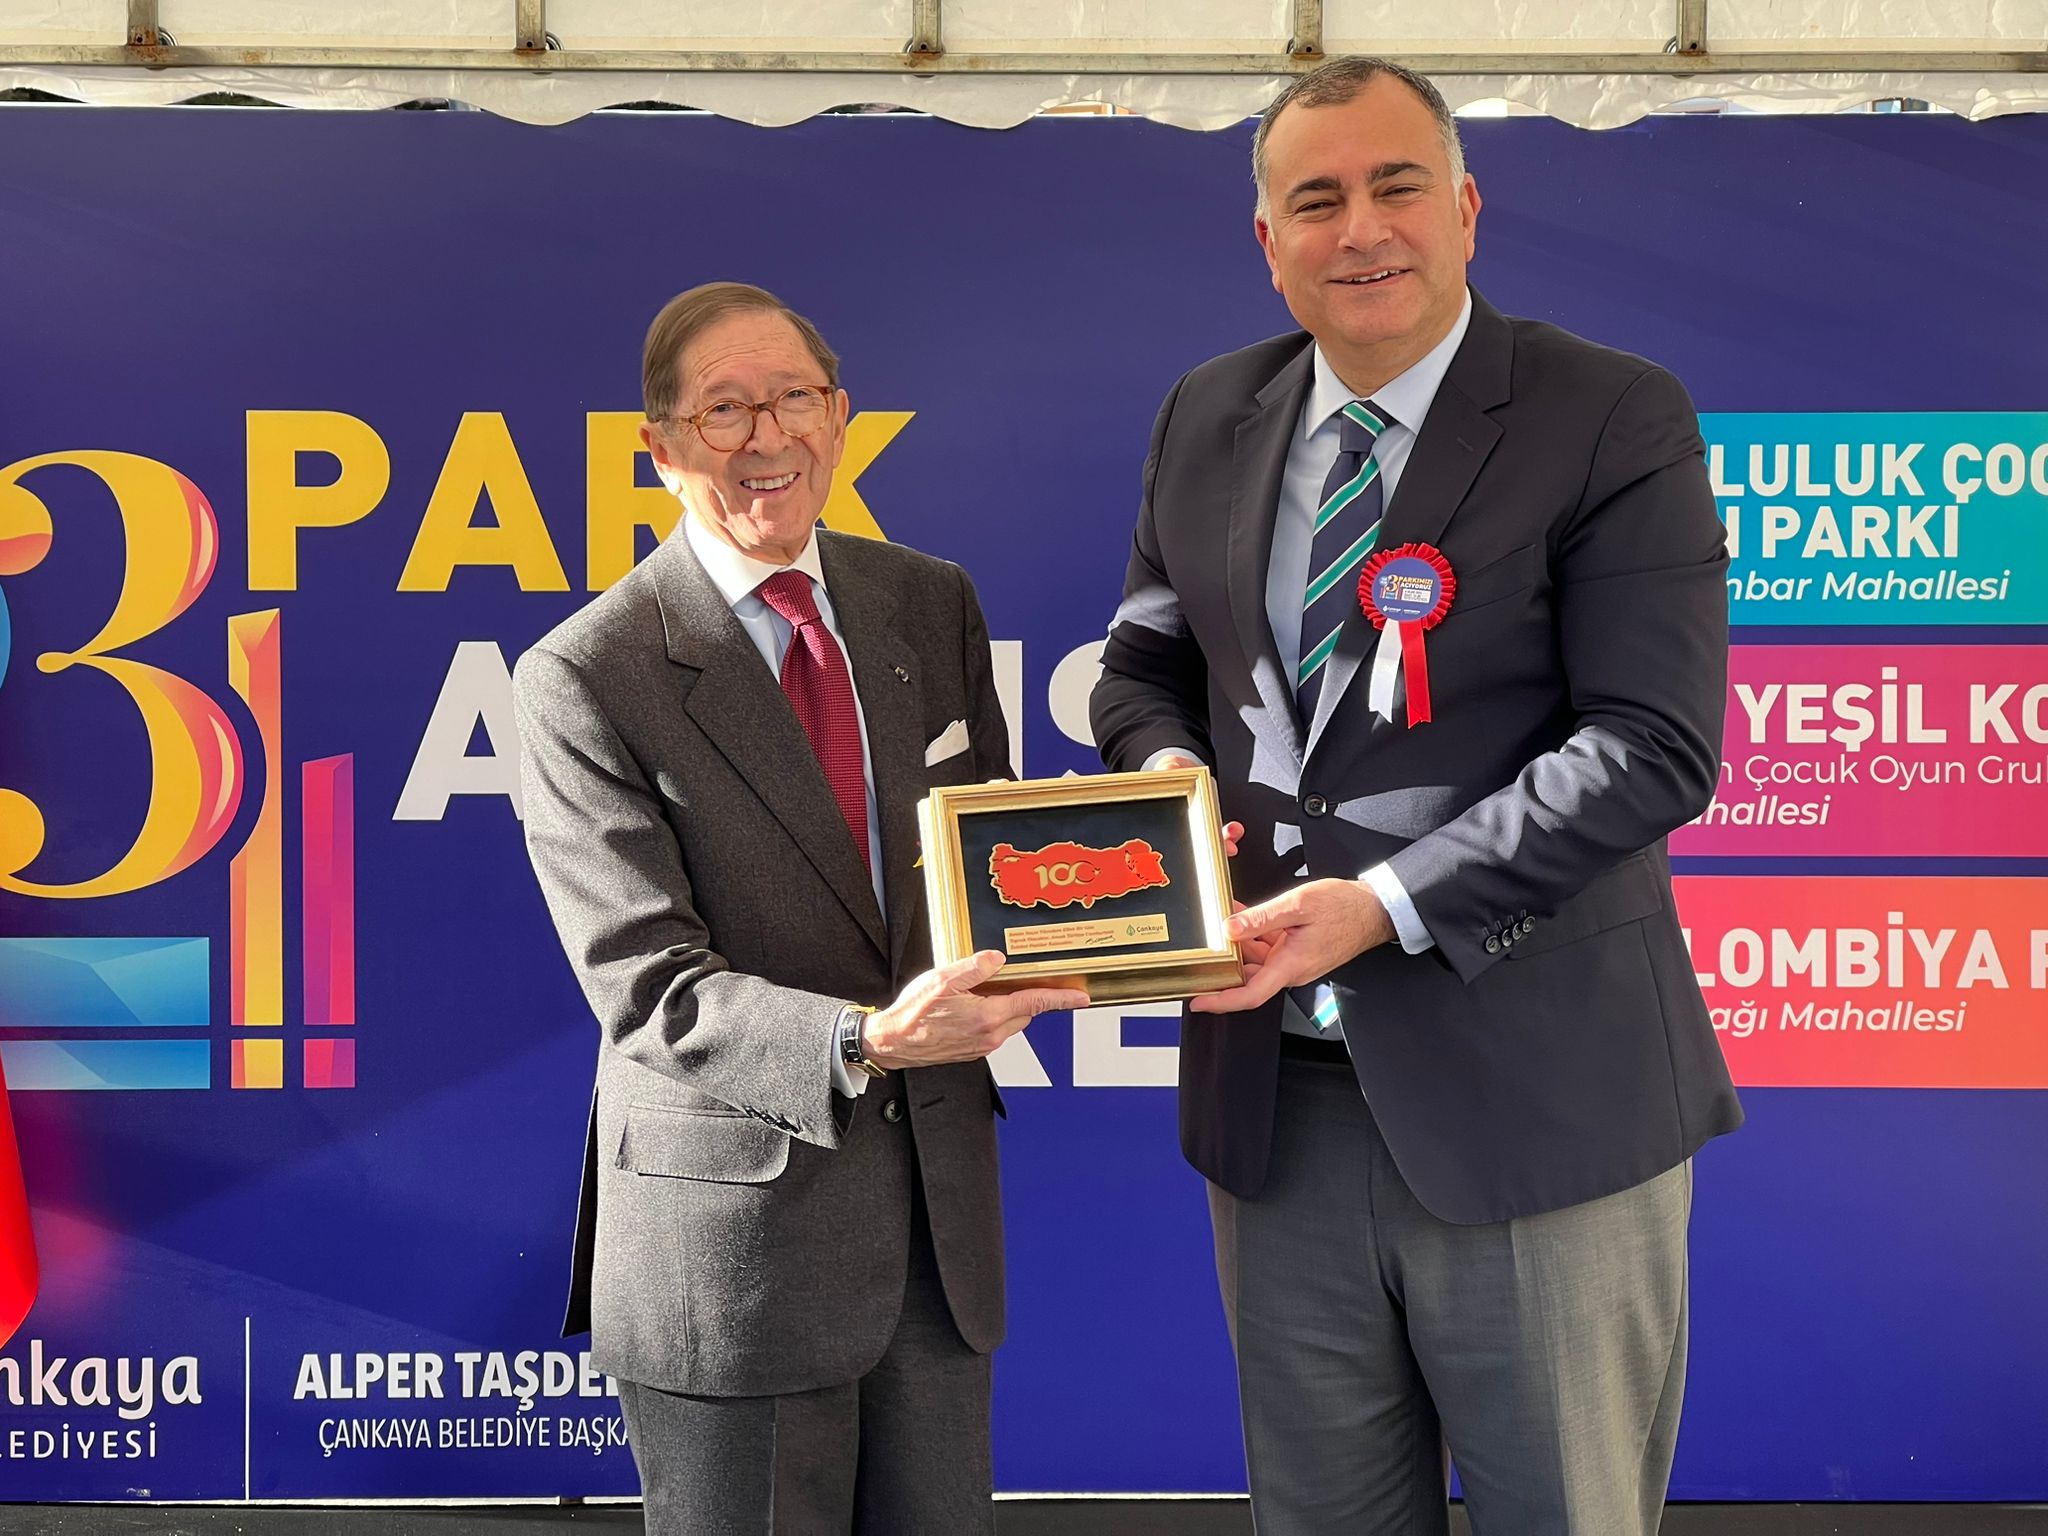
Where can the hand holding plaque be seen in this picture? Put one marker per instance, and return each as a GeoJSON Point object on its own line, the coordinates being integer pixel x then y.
{"type": "Point", "coordinates": [1117, 883]}
{"type": "Point", "coordinates": [940, 1016]}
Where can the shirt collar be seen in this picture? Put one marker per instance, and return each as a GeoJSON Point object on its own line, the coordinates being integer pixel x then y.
{"type": "Point", "coordinates": [737, 575]}
{"type": "Point", "coordinates": [1407, 397]}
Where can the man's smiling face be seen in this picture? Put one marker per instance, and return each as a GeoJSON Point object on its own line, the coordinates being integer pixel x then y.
{"type": "Point", "coordinates": [1366, 228]}
{"type": "Point", "coordinates": [763, 497]}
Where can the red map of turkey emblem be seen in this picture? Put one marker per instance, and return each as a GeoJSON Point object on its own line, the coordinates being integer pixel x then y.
{"type": "Point", "coordinates": [1060, 874]}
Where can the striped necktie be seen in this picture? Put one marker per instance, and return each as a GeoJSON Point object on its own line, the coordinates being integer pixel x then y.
{"type": "Point", "coordinates": [1347, 526]}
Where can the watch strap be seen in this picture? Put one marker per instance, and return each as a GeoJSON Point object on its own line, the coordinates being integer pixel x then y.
{"type": "Point", "coordinates": [852, 1047]}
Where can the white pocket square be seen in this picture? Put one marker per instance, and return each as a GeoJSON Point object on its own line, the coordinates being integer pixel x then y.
{"type": "Point", "coordinates": [948, 743]}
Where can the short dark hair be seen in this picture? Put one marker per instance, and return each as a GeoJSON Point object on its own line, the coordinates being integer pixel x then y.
{"type": "Point", "coordinates": [688, 315]}
{"type": "Point", "coordinates": [1333, 84]}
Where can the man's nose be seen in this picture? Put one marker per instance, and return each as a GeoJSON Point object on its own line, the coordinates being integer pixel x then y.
{"type": "Point", "coordinates": [1364, 226]}
{"type": "Point", "coordinates": [767, 436]}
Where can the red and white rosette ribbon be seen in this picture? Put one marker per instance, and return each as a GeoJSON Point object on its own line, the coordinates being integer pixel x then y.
{"type": "Point", "coordinates": [1405, 591]}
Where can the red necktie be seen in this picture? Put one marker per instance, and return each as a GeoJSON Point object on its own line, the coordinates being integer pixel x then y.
{"type": "Point", "coordinates": [820, 690]}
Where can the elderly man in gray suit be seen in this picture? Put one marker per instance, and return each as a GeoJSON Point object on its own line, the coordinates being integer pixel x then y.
{"type": "Point", "coordinates": [1448, 1120]}
{"type": "Point", "coordinates": [789, 1248]}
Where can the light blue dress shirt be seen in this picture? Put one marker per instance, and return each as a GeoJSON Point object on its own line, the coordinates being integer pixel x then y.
{"type": "Point", "coordinates": [1406, 400]}
{"type": "Point", "coordinates": [738, 578]}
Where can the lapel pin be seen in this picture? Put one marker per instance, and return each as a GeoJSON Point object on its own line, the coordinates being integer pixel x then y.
{"type": "Point", "coordinates": [902, 676]}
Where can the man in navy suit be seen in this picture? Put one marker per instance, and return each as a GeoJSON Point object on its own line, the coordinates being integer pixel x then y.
{"type": "Point", "coordinates": [1448, 1119]}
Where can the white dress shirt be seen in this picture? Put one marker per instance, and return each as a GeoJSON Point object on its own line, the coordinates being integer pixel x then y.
{"type": "Point", "coordinates": [738, 578]}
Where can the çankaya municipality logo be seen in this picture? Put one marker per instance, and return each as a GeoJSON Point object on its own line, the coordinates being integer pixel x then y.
{"type": "Point", "coordinates": [132, 1386]}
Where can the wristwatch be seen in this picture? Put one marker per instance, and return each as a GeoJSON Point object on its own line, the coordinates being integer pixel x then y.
{"type": "Point", "coordinates": [853, 1048]}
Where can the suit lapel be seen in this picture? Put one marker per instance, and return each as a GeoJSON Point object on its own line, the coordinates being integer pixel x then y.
{"type": "Point", "coordinates": [740, 706]}
{"type": "Point", "coordinates": [1259, 460]}
{"type": "Point", "coordinates": [1455, 441]}
{"type": "Point", "coordinates": [886, 675]}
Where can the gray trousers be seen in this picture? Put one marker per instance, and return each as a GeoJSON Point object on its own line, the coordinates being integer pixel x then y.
{"type": "Point", "coordinates": [1548, 1351]}
{"type": "Point", "coordinates": [902, 1451]}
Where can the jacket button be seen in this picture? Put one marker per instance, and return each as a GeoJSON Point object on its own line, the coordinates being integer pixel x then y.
{"type": "Point", "coordinates": [1527, 924]}
{"type": "Point", "coordinates": [893, 1111]}
{"type": "Point", "coordinates": [1316, 805]}
{"type": "Point", "coordinates": [1493, 943]}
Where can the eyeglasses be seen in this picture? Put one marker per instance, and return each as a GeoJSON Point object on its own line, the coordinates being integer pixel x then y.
{"type": "Point", "coordinates": [727, 424]}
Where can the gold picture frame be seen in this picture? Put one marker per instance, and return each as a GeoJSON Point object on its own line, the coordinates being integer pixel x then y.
{"type": "Point", "coordinates": [1117, 883]}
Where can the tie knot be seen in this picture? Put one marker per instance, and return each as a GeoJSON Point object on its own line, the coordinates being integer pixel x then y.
{"type": "Point", "coordinates": [1360, 422]}
{"type": "Point", "coordinates": [789, 594]}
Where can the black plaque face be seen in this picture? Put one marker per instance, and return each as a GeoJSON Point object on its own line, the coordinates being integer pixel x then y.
{"type": "Point", "coordinates": [1103, 830]}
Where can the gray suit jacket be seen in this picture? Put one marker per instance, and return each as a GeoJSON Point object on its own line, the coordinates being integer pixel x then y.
{"type": "Point", "coordinates": [736, 1236]}
{"type": "Point", "coordinates": [1554, 1046]}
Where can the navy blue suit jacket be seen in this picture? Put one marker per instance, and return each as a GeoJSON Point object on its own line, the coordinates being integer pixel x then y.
{"type": "Point", "coordinates": [1554, 1046]}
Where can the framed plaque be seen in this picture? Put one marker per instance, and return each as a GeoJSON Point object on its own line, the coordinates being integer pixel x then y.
{"type": "Point", "coordinates": [1116, 883]}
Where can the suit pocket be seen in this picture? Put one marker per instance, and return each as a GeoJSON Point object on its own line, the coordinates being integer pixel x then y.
{"type": "Point", "coordinates": [1630, 891]}
{"type": "Point", "coordinates": [1513, 572]}
{"type": "Point", "coordinates": [719, 1146]}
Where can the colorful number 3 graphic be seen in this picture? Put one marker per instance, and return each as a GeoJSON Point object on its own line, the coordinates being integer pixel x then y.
{"type": "Point", "coordinates": [196, 774]}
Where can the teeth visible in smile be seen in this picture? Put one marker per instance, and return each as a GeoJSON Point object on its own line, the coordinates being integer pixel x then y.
{"type": "Point", "coordinates": [1372, 277]}
{"type": "Point", "coordinates": [775, 483]}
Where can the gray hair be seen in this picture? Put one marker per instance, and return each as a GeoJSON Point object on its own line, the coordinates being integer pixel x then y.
{"type": "Point", "coordinates": [688, 315]}
{"type": "Point", "coordinates": [1335, 83]}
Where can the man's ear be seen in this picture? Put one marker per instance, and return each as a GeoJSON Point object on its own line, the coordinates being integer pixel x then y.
{"type": "Point", "coordinates": [654, 436]}
{"type": "Point", "coordinates": [841, 411]}
{"type": "Point", "coordinates": [1264, 231]}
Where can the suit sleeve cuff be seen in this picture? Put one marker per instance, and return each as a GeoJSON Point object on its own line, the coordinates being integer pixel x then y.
{"type": "Point", "coordinates": [1393, 895]}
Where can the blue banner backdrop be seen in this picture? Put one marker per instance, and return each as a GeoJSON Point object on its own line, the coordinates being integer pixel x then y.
{"type": "Point", "coordinates": [303, 1188]}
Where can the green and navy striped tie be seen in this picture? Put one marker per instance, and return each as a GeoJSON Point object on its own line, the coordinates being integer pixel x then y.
{"type": "Point", "coordinates": [1347, 526]}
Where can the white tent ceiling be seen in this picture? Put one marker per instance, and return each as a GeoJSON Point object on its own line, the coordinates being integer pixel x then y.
{"type": "Point", "coordinates": [993, 63]}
